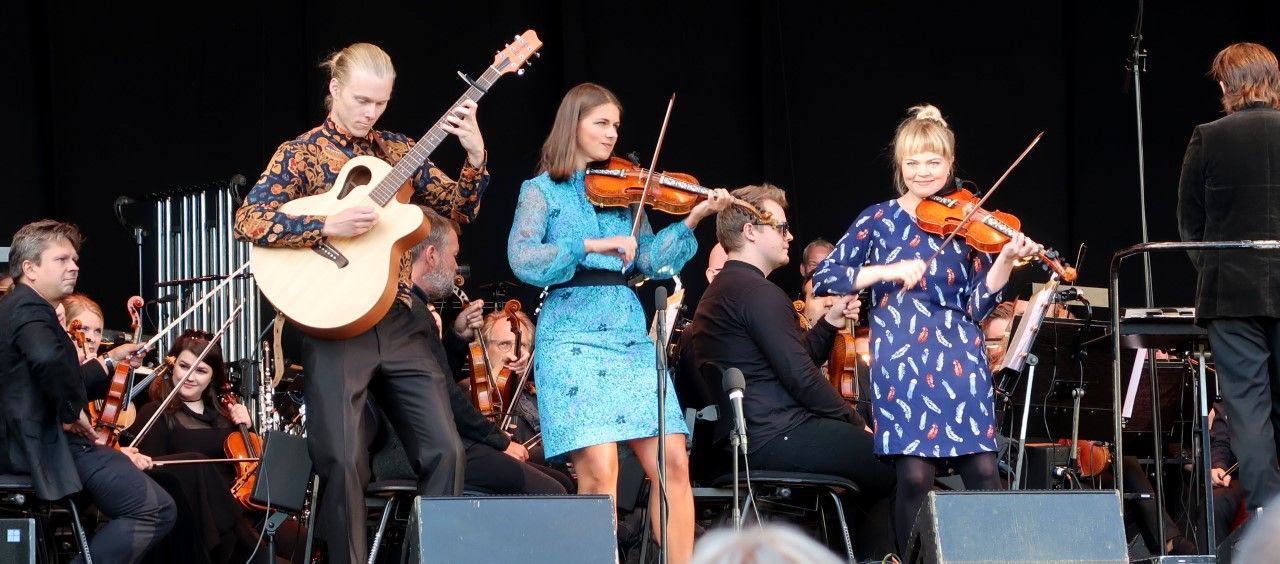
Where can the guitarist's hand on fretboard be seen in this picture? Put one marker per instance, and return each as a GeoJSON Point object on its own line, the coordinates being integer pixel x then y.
{"type": "Point", "coordinates": [350, 222]}
{"type": "Point", "coordinates": [461, 121]}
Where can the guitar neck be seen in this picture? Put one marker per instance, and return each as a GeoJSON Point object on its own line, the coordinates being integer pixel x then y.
{"type": "Point", "coordinates": [413, 160]}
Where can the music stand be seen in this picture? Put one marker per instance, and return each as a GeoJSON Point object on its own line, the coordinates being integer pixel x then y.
{"type": "Point", "coordinates": [1198, 345]}
{"type": "Point", "coordinates": [1063, 369]}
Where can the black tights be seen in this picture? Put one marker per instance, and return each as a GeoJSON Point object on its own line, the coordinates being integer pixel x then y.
{"type": "Point", "coordinates": [915, 480]}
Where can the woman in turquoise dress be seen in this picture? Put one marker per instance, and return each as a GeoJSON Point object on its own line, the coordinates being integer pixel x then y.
{"type": "Point", "coordinates": [932, 392]}
{"type": "Point", "coordinates": [593, 358]}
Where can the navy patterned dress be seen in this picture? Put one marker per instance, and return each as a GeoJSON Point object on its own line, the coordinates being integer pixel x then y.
{"type": "Point", "coordinates": [932, 392]}
{"type": "Point", "coordinates": [592, 354]}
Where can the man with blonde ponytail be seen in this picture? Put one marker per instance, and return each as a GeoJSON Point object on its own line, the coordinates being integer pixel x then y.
{"type": "Point", "coordinates": [1230, 190]}
{"type": "Point", "coordinates": [392, 359]}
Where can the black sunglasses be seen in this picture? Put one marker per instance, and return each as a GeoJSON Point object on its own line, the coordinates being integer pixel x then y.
{"type": "Point", "coordinates": [783, 227]}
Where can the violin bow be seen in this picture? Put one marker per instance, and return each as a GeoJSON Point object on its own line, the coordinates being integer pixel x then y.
{"type": "Point", "coordinates": [203, 461]}
{"type": "Point", "coordinates": [969, 216]}
{"type": "Point", "coordinates": [178, 384]}
{"type": "Point", "coordinates": [145, 348]}
{"type": "Point", "coordinates": [648, 179]}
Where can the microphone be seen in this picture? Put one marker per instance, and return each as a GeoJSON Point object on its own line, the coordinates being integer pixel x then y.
{"type": "Point", "coordinates": [120, 203]}
{"type": "Point", "coordinates": [237, 184]}
{"type": "Point", "coordinates": [734, 383]}
{"type": "Point", "coordinates": [660, 319]}
{"type": "Point", "coordinates": [162, 300]}
{"type": "Point", "coordinates": [1070, 295]}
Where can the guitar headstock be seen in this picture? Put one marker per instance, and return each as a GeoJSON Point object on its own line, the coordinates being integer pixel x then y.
{"type": "Point", "coordinates": [516, 54]}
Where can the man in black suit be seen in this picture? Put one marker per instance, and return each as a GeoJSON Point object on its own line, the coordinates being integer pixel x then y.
{"type": "Point", "coordinates": [1230, 190]}
{"type": "Point", "coordinates": [494, 462]}
{"type": "Point", "coordinates": [44, 390]}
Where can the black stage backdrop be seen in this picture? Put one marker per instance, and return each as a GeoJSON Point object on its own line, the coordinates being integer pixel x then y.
{"type": "Point", "coordinates": [108, 99]}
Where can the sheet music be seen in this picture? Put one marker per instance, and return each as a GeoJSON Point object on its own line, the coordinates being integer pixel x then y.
{"type": "Point", "coordinates": [1135, 374]}
{"type": "Point", "coordinates": [1020, 343]}
{"type": "Point", "coordinates": [673, 310]}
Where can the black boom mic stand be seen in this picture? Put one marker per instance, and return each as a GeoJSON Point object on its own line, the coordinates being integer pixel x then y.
{"type": "Point", "coordinates": [734, 383]}
{"type": "Point", "coordinates": [660, 350]}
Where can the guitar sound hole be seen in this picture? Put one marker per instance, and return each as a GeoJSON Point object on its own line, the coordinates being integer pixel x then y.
{"type": "Point", "coordinates": [358, 176]}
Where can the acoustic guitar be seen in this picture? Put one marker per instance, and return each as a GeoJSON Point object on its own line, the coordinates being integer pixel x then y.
{"type": "Point", "coordinates": [344, 285]}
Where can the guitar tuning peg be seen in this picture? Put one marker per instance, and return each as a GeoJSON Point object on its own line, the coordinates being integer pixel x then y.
{"type": "Point", "coordinates": [520, 72]}
{"type": "Point", "coordinates": [537, 55]}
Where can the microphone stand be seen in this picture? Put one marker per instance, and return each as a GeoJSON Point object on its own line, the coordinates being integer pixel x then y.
{"type": "Point", "coordinates": [1137, 64]}
{"type": "Point", "coordinates": [738, 439]}
{"type": "Point", "coordinates": [1031, 362]}
{"type": "Point", "coordinates": [660, 350]}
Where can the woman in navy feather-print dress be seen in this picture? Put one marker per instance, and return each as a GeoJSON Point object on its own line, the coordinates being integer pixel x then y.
{"type": "Point", "coordinates": [931, 386]}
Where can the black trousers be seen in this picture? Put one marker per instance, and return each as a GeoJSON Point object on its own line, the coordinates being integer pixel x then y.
{"type": "Point", "coordinates": [492, 471]}
{"type": "Point", "coordinates": [827, 446]}
{"type": "Point", "coordinates": [1246, 354]}
{"type": "Point", "coordinates": [391, 360]}
{"type": "Point", "coordinates": [1147, 513]}
{"type": "Point", "coordinates": [139, 510]}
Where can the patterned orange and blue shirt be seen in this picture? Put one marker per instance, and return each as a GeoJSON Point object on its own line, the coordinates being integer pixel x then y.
{"type": "Point", "coordinates": [309, 165]}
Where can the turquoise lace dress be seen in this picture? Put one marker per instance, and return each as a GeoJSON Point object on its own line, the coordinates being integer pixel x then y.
{"type": "Point", "coordinates": [594, 361]}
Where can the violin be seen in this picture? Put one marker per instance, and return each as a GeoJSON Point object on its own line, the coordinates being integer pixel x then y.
{"type": "Point", "coordinates": [115, 413]}
{"type": "Point", "coordinates": [509, 392]}
{"type": "Point", "coordinates": [842, 364]}
{"type": "Point", "coordinates": [799, 306]}
{"type": "Point", "coordinates": [75, 330]}
{"type": "Point", "coordinates": [986, 231]}
{"type": "Point", "coordinates": [622, 183]}
{"type": "Point", "coordinates": [484, 389]}
{"type": "Point", "coordinates": [1093, 456]}
{"type": "Point", "coordinates": [242, 444]}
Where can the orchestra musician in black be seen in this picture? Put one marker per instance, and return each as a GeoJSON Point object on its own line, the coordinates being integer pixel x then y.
{"type": "Point", "coordinates": [44, 390]}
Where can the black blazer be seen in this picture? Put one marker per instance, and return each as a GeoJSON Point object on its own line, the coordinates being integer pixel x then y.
{"type": "Point", "coordinates": [472, 426]}
{"type": "Point", "coordinates": [42, 387]}
{"type": "Point", "coordinates": [1230, 190]}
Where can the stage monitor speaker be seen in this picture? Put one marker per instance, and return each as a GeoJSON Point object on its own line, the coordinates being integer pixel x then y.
{"type": "Point", "coordinates": [284, 471]}
{"type": "Point", "coordinates": [1021, 526]}
{"type": "Point", "coordinates": [565, 529]}
{"type": "Point", "coordinates": [19, 540]}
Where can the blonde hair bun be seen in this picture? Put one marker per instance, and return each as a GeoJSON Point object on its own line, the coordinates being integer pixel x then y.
{"type": "Point", "coordinates": [928, 111]}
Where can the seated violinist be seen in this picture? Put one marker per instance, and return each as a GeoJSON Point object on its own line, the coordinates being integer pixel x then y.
{"type": "Point", "coordinates": [78, 307]}
{"type": "Point", "coordinates": [494, 462]}
{"type": "Point", "coordinates": [211, 526]}
{"type": "Point", "coordinates": [810, 259]}
{"type": "Point", "coordinates": [796, 420]}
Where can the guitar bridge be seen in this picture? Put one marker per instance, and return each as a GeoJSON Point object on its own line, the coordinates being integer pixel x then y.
{"type": "Point", "coordinates": [332, 253]}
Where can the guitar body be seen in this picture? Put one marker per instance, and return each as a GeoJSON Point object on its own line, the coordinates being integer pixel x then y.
{"type": "Point", "coordinates": [345, 286]}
